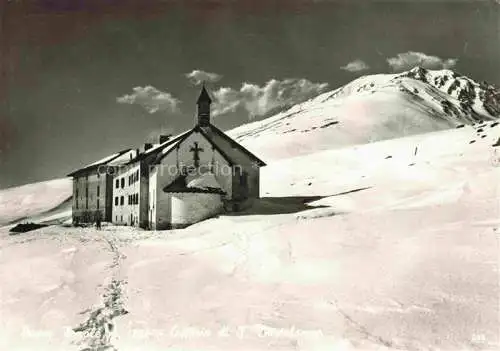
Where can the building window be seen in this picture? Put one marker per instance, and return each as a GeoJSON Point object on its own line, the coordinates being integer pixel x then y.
{"type": "Point", "coordinates": [116, 201]}
{"type": "Point", "coordinates": [98, 190]}
{"type": "Point", "coordinates": [122, 200]}
{"type": "Point", "coordinates": [123, 183]}
{"type": "Point", "coordinates": [121, 218]}
{"type": "Point", "coordinates": [97, 203]}
{"type": "Point", "coordinates": [117, 183]}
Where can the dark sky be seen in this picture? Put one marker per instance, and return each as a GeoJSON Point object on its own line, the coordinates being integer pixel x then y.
{"type": "Point", "coordinates": [65, 63]}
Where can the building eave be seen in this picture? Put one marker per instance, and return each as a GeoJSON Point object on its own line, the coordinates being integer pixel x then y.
{"type": "Point", "coordinates": [93, 167]}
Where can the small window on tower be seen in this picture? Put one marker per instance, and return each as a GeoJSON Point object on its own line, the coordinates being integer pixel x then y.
{"type": "Point", "coordinates": [116, 201]}
{"type": "Point", "coordinates": [122, 200]}
{"type": "Point", "coordinates": [123, 183]}
{"type": "Point", "coordinates": [117, 183]}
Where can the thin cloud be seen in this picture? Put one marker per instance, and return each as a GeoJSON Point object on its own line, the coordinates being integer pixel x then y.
{"type": "Point", "coordinates": [259, 100]}
{"type": "Point", "coordinates": [151, 99]}
{"type": "Point", "coordinates": [356, 66]}
{"type": "Point", "coordinates": [198, 76]}
{"type": "Point", "coordinates": [408, 60]}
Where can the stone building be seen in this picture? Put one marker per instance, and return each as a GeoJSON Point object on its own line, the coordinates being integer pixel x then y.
{"type": "Point", "coordinates": [185, 179]}
{"type": "Point", "coordinates": [92, 188]}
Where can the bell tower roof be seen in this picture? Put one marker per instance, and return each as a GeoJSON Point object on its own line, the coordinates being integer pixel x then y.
{"type": "Point", "coordinates": [204, 97]}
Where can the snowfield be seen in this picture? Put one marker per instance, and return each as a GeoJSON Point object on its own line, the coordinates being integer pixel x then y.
{"type": "Point", "coordinates": [390, 245]}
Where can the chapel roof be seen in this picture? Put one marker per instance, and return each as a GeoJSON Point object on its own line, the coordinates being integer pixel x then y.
{"type": "Point", "coordinates": [218, 139]}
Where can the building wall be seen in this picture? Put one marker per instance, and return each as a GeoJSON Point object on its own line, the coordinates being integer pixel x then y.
{"type": "Point", "coordinates": [163, 211]}
{"type": "Point", "coordinates": [189, 208]}
{"type": "Point", "coordinates": [245, 163]}
{"type": "Point", "coordinates": [126, 185]}
{"type": "Point", "coordinates": [90, 195]}
{"type": "Point", "coordinates": [108, 215]}
{"type": "Point", "coordinates": [167, 170]}
{"type": "Point", "coordinates": [144, 195]}
{"type": "Point", "coordinates": [152, 196]}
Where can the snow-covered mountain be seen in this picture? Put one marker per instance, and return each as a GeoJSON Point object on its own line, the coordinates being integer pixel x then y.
{"type": "Point", "coordinates": [372, 108]}
{"type": "Point", "coordinates": [40, 202]}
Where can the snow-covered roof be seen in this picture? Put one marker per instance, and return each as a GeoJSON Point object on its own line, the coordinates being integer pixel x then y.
{"type": "Point", "coordinates": [204, 181]}
{"type": "Point", "coordinates": [162, 148]}
{"type": "Point", "coordinates": [105, 160]}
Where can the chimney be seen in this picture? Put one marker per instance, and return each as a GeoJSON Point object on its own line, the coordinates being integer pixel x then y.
{"type": "Point", "coordinates": [147, 146]}
{"type": "Point", "coordinates": [164, 138]}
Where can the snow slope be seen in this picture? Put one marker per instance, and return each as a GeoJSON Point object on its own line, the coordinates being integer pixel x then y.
{"type": "Point", "coordinates": [372, 108]}
{"type": "Point", "coordinates": [389, 245]}
{"type": "Point", "coordinates": [20, 203]}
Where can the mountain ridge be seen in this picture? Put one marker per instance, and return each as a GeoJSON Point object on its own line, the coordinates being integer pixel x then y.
{"type": "Point", "coordinates": [373, 108]}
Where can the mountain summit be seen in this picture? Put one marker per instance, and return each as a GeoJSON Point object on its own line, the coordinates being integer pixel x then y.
{"type": "Point", "coordinates": [372, 108]}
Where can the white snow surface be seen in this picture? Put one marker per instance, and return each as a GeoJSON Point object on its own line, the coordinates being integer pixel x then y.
{"type": "Point", "coordinates": [389, 245]}
{"type": "Point", "coordinates": [33, 199]}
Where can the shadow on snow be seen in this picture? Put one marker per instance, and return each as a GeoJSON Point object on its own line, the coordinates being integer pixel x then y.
{"type": "Point", "coordinates": [287, 204]}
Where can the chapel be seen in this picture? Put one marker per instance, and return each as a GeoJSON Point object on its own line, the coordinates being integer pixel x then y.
{"type": "Point", "coordinates": [179, 181]}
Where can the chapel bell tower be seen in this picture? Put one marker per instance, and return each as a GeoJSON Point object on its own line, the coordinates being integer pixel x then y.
{"type": "Point", "coordinates": [203, 103]}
